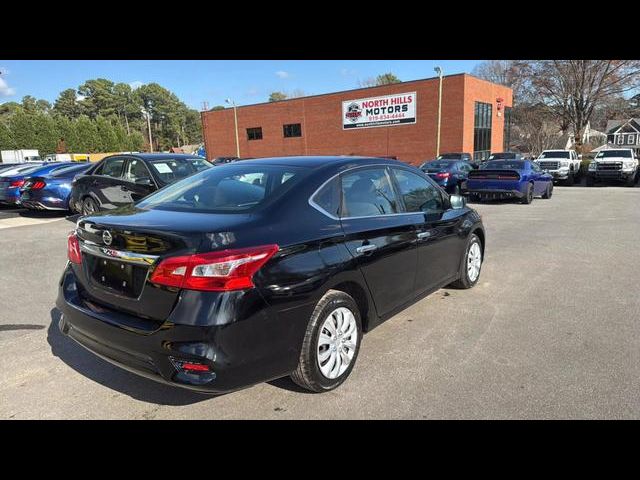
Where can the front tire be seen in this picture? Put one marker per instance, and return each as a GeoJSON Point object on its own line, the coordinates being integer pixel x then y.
{"type": "Point", "coordinates": [331, 343]}
{"type": "Point", "coordinates": [548, 192]}
{"type": "Point", "coordinates": [471, 264]}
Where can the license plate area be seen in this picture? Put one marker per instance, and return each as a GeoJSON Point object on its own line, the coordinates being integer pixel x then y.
{"type": "Point", "coordinates": [116, 276]}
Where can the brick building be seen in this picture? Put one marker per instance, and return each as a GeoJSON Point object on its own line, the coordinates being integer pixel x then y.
{"type": "Point", "coordinates": [398, 120]}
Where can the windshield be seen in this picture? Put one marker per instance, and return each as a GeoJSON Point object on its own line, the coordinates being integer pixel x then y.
{"type": "Point", "coordinates": [503, 165]}
{"type": "Point", "coordinates": [452, 156]}
{"type": "Point", "coordinates": [232, 189]}
{"type": "Point", "coordinates": [438, 165]}
{"type": "Point", "coordinates": [171, 169]}
{"type": "Point", "coordinates": [614, 153]}
{"type": "Point", "coordinates": [555, 154]}
{"type": "Point", "coordinates": [502, 156]}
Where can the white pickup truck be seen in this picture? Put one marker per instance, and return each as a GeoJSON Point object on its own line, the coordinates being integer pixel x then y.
{"type": "Point", "coordinates": [619, 164]}
{"type": "Point", "coordinates": [563, 165]}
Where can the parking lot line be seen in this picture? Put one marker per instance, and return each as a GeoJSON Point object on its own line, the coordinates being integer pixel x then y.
{"type": "Point", "coordinates": [24, 221]}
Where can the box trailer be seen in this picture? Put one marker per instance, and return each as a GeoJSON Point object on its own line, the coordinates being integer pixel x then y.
{"type": "Point", "coordinates": [19, 156]}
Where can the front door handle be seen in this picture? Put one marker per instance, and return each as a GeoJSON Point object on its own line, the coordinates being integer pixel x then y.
{"type": "Point", "coordinates": [366, 248]}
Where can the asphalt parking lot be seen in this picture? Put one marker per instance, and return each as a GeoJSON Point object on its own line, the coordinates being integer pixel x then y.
{"type": "Point", "coordinates": [551, 331]}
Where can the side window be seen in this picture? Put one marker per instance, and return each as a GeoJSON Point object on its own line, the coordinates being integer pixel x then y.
{"type": "Point", "coordinates": [136, 170]}
{"type": "Point", "coordinates": [112, 167]}
{"type": "Point", "coordinates": [535, 167]}
{"type": "Point", "coordinates": [328, 197]}
{"type": "Point", "coordinates": [418, 194]}
{"type": "Point", "coordinates": [367, 192]}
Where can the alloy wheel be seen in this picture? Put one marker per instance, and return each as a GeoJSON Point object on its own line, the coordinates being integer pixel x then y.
{"type": "Point", "coordinates": [474, 261]}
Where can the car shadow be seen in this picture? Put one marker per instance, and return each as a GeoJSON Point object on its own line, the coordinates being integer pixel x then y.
{"type": "Point", "coordinates": [42, 213]}
{"type": "Point", "coordinates": [115, 378]}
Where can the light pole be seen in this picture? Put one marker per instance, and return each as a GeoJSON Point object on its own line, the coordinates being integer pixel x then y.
{"type": "Point", "coordinates": [235, 118]}
{"type": "Point", "coordinates": [439, 72]}
{"type": "Point", "coordinates": [146, 114]}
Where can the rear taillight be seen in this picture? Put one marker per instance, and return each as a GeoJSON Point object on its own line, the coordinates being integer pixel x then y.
{"type": "Point", "coordinates": [73, 249]}
{"type": "Point", "coordinates": [17, 183]}
{"type": "Point", "coordinates": [214, 271]}
{"type": "Point", "coordinates": [443, 175]}
{"type": "Point", "coordinates": [38, 185]}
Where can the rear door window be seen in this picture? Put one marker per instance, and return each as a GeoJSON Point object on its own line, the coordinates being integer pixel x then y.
{"type": "Point", "coordinates": [368, 192]}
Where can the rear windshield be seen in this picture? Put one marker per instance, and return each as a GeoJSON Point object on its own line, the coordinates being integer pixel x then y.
{"type": "Point", "coordinates": [171, 169]}
{"type": "Point", "coordinates": [232, 189]}
{"type": "Point", "coordinates": [69, 170]}
{"type": "Point", "coordinates": [438, 165]}
{"type": "Point", "coordinates": [502, 156]}
{"type": "Point", "coordinates": [614, 153]}
{"type": "Point", "coordinates": [503, 165]}
{"type": "Point", "coordinates": [555, 154]}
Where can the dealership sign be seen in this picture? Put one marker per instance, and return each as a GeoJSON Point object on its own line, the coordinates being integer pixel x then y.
{"type": "Point", "coordinates": [384, 111]}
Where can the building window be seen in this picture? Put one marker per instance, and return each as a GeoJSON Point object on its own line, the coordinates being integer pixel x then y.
{"type": "Point", "coordinates": [506, 142]}
{"type": "Point", "coordinates": [254, 133]}
{"type": "Point", "coordinates": [482, 131]}
{"type": "Point", "coordinates": [292, 130]}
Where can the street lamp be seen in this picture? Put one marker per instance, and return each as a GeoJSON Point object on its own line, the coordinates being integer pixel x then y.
{"type": "Point", "coordinates": [438, 70]}
{"type": "Point", "coordinates": [235, 118]}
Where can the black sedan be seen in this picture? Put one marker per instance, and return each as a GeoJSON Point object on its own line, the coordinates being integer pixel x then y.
{"type": "Point", "coordinates": [120, 180]}
{"type": "Point", "coordinates": [263, 268]}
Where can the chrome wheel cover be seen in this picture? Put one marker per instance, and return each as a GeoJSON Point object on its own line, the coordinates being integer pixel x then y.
{"type": "Point", "coordinates": [337, 342]}
{"type": "Point", "coordinates": [474, 261]}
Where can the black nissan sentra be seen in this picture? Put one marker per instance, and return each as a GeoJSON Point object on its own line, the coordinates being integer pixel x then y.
{"type": "Point", "coordinates": [263, 268]}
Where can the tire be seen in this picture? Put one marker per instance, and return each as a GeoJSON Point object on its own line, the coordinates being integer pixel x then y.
{"type": "Point", "coordinates": [89, 206]}
{"type": "Point", "coordinates": [590, 181]}
{"type": "Point", "coordinates": [570, 180]}
{"type": "Point", "coordinates": [630, 182]}
{"type": "Point", "coordinates": [309, 373]}
{"type": "Point", "coordinates": [466, 281]}
{"type": "Point", "coordinates": [528, 197]}
{"type": "Point", "coordinates": [548, 192]}
{"type": "Point", "coordinates": [456, 190]}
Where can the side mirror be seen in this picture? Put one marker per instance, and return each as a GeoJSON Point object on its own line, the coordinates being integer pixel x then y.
{"type": "Point", "coordinates": [457, 201]}
{"type": "Point", "coordinates": [144, 181]}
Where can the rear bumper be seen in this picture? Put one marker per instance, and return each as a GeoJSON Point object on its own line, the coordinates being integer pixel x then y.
{"type": "Point", "coordinates": [149, 349]}
{"type": "Point", "coordinates": [496, 192]}
{"type": "Point", "coordinates": [41, 205]}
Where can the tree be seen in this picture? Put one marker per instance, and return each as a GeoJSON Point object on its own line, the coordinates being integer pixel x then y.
{"type": "Point", "coordinates": [383, 79]}
{"type": "Point", "coordinates": [6, 137]}
{"type": "Point", "coordinates": [277, 96]}
{"type": "Point", "coordinates": [217, 107]}
{"type": "Point", "coordinates": [573, 89]}
{"type": "Point", "coordinates": [535, 129]}
{"type": "Point", "coordinates": [515, 74]}
{"type": "Point", "coordinates": [67, 104]}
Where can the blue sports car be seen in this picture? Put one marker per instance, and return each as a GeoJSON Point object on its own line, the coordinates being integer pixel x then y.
{"type": "Point", "coordinates": [50, 191]}
{"type": "Point", "coordinates": [11, 181]}
{"type": "Point", "coordinates": [521, 179]}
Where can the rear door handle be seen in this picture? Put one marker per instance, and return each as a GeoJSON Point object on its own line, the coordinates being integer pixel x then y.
{"type": "Point", "coordinates": [366, 248]}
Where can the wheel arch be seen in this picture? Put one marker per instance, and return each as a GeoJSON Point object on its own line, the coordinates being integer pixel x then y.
{"type": "Point", "coordinates": [360, 296]}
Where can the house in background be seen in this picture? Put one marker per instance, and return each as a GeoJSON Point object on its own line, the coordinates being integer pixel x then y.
{"type": "Point", "coordinates": [624, 134]}
{"type": "Point", "coordinates": [589, 136]}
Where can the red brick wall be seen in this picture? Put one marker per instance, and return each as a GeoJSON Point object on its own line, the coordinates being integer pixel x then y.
{"type": "Point", "coordinates": [321, 119]}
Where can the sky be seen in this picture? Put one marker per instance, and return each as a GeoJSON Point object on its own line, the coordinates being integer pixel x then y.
{"type": "Point", "coordinates": [197, 81]}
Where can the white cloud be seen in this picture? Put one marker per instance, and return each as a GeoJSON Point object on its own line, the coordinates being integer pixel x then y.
{"type": "Point", "coordinates": [136, 84]}
{"type": "Point", "coordinates": [282, 74]}
{"type": "Point", "coordinates": [79, 97]}
{"type": "Point", "coordinates": [5, 89]}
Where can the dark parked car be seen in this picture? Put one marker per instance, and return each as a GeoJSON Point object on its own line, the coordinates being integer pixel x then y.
{"type": "Point", "coordinates": [223, 160]}
{"type": "Point", "coordinates": [263, 268]}
{"type": "Point", "coordinates": [499, 179]}
{"type": "Point", "coordinates": [463, 157]}
{"type": "Point", "coordinates": [119, 180]}
{"type": "Point", "coordinates": [50, 191]}
{"type": "Point", "coordinates": [505, 156]}
{"type": "Point", "coordinates": [449, 174]}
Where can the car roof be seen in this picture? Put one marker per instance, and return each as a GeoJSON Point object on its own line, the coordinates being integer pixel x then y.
{"type": "Point", "coordinates": [157, 156]}
{"type": "Point", "coordinates": [321, 161]}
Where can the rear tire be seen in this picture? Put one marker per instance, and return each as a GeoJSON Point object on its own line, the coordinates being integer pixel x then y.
{"type": "Point", "coordinates": [528, 196]}
{"type": "Point", "coordinates": [314, 372]}
{"type": "Point", "coordinates": [456, 189]}
{"type": "Point", "coordinates": [89, 206]}
{"type": "Point", "coordinates": [570, 180]}
{"type": "Point", "coordinates": [468, 278]}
